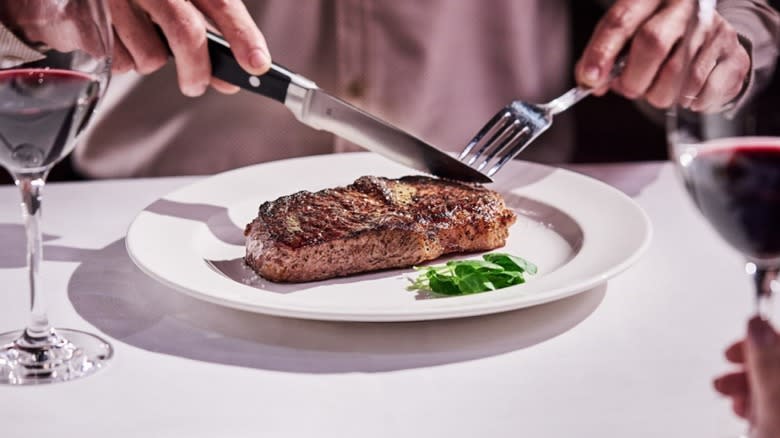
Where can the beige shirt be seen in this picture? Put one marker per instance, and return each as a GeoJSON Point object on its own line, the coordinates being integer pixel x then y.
{"type": "Point", "coordinates": [436, 68]}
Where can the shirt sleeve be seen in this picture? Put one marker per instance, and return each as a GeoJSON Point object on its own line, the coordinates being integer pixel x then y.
{"type": "Point", "coordinates": [758, 26]}
{"type": "Point", "coordinates": [13, 51]}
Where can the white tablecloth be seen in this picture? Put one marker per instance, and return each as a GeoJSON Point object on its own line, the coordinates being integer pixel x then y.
{"type": "Point", "coordinates": [634, 358]}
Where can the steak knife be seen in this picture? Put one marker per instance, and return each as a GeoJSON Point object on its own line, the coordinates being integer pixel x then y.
{"type": "Point", "coordinates": [316, 108]}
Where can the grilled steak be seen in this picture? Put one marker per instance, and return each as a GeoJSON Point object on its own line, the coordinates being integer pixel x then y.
{"type": "Point", "coordinates": [374, 223]}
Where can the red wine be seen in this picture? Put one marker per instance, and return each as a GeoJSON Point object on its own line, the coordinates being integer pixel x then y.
{"type": "Point", "coordinates": [41, 113]}
{"type": "Point", "coordinates": [737, 187]}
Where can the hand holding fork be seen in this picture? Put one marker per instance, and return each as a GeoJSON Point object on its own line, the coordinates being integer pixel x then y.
{"type": "Point", "coordinates": [517, 125]}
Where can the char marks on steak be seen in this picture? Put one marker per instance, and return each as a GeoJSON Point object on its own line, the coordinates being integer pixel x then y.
{"type": "Point", "coordinates": [374, 223]}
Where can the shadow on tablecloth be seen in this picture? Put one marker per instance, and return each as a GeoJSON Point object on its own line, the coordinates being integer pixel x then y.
{"type": "Point", "coordinates": [110, 292]}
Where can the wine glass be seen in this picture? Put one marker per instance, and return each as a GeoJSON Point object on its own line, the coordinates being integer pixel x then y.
{"type": "Point", "coordinates": [729, 158]}
{"type": "Point", "coordinates": [54, 66]}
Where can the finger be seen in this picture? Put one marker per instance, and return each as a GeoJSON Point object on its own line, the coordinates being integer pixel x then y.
{"type": "Point", "coordinates": [185, 30]}
{"type": "Point", "coordinates": [121, 61]}
{"type": "Point", "coordinates": [224, 87]}
{"type": "Point", "coordinates": [702, 66]}
{"type": "Point", "coordinates": [724, 84]}
{"type": "Point", "coordinates": [762, 355]}
{"type": "Point", "coordinates": [651, 46]}
{"type": "Point", "coordinates": [665, 88]}
{"type": "Point", "coordinates": [741, 407]}
{"type": "Point", "coordinates": [66, 34]}
{"type": "Point", "coordinates": [239, 29]}
{"type": "Point", "coordinates": [732, 384]}
{"type": "Point", "coordinates": [134, 29]}
{"type": "Point", "coordinates": [727, 78]}
{"type": "Point", "coordinates": [763, 352]}
{"type": "Point", "coordinates": [618, 25]}
{"type": "Point", "coordinates": [600, 91]}
{"type": "Point", "coordinates": [735, 353]}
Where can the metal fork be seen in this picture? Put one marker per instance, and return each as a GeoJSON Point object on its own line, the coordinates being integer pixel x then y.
{"type": "Point", "coordinates": [517, 125]}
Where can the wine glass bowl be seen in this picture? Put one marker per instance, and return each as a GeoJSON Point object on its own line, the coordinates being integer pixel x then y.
{"type": "Point", "coordinates": [42, 111]}
{"type": "Point", "coordinates": [54, 67]}
{"type": "Point", "coordinates": [735, 183]}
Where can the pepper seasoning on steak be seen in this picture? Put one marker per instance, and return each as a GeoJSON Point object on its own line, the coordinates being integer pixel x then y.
{"type": "Point", "coordinates": [372, 224]}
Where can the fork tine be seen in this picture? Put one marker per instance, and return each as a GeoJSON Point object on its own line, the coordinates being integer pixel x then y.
{"type": "Point", "coordinates": [500, 118]}
{"type": "Point", "coordinates": [521, 141]}
{"type": "Point", "coordinates": [503, 132]}
{"type": "Point", "coordinates": [516, 134]}
{"type": "Point", "coordinates": [490, 138]}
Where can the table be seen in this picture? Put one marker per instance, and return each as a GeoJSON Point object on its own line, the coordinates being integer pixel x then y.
{"type": "Point", "coordinates": [632, 358]}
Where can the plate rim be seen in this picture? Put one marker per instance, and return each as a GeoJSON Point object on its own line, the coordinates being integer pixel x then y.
{"type": "Point", "coordinates": [393, 315]}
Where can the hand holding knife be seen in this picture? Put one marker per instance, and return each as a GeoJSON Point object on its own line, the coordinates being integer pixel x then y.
{"type": "Point", "coordinates": [314, 107]}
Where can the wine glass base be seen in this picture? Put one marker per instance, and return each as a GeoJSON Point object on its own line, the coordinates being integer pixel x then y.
{"type": "Point", "coordinates": [61, 356]}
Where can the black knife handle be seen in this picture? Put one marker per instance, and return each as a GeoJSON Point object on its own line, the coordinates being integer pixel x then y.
{"type": "Point", "coordinates": [273, 84]}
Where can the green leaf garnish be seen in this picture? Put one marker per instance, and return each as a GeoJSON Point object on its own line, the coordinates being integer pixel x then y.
{"type": "Point", "coordinates": [463, 277]}
{"type": "Point", "coordinates": [510, 262]}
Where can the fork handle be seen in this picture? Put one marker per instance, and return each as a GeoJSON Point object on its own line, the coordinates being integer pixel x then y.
{"type": "Point", "coordinates": [567, 100]}
{"type": "Point", "coordinates": [576, 94]}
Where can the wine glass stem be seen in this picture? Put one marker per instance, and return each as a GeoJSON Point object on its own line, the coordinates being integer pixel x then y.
{"type": "Point", "coordinates": [31, 186]}
{"type": "Point", "coordinates": [766, 285]}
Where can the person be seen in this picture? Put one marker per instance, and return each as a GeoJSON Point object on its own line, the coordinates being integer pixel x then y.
{"type": "Point", "coordinates": [754, 389]}
{"type": "Point", "coordinates": [436, 68]}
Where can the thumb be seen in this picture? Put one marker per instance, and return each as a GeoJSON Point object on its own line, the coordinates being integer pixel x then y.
{"type": "Point", "coordinates": [763, 364]}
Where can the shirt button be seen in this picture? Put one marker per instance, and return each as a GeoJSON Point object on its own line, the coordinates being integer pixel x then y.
{"type": "Point", "coordinates": [356, 89]}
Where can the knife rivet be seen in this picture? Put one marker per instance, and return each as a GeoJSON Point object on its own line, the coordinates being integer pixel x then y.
{"type": "Point", "coordinates": [254, 81]}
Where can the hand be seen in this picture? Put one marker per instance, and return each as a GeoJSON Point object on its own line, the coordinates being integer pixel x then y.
{"type": "Point", "coordinates": [755, 389]}
{"type": "Point", "coordinates": [184, 23]}
{"type": "Point", "coordinates": [31, 21]}
{"type": "Point", "coordinates": [653, 29]}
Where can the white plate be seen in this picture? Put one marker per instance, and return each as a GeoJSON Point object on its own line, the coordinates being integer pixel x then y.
{"type": "Point", "coordinates": [579, 231]}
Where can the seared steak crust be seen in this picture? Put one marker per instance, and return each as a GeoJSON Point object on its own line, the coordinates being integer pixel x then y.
{"type": "Point", "coordinates": [374, 223]}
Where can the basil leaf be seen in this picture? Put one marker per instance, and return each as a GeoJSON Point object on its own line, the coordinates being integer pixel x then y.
{"type": "Point", "coordinates": [474, 283]}
{"type": "Point", "coordinates": [466, 267]}
{"type": "Point", "coordinates": [461, 277]}
{"type": "Point", "coordinates": [507, 278]}
{"type": "Point", "coordinates": [443, 285]}
{"type": "Point", "coordinates": [511, 263]}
